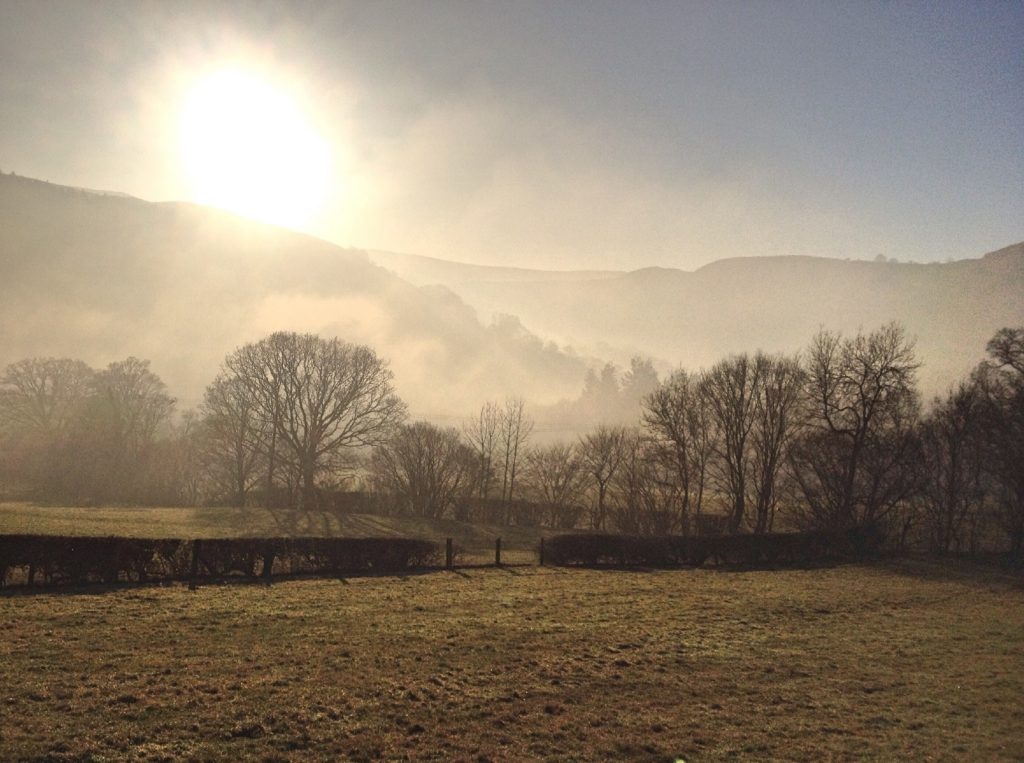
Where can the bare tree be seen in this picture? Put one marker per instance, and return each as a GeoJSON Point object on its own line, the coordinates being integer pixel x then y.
{"type": "Point", "coordinates": [1007, 349]}
{"type": "Point", "coordinates": [777, 418]}
{"type": "Point", "coordinates": [136, 401]}
{"type": "Point", "coordinates": [128, 407]}
{"type": "Point", "coordinates": [1001, 382]}
{"type": "Point", "coordinates": [429, 470]}
{"type": "Point", "coordinates": [188, 464]}
{"type": "Point", "coordinates": [645, 491]}
{"type": "Point", "coordinates": [44, 394]}
{"type": "Point", "coordinates": [235, 436]}
{"type": "Point", "coordinates": [601, 453]}
{"type": "Point", "coordinates": [318, 398]}
{"type": "Point", "coordinates": [516, 427]}
{"type": "Point", "coordinates": [952, 492]}
{"type": "Point", "coordinates": [483, 434]}
{"type": "Point", "coordinates": [175, 474]}
{"type": "Point", "coordinates": [731, 389]}
{"type": "Point", "coordinates": [862, 409]}
{"type": "Point", "coordinates": [42, 403]}
{"type": "Point", "coordinates": [85, 434]}
{"type": "Point", "coordinates": [677, 415]}
{"type": "Point", "coordinates": [260, 370]}
{"type": "Point", "coordinates": [891, 474]}
{"type": "Point", "coordinates": [555, 478]}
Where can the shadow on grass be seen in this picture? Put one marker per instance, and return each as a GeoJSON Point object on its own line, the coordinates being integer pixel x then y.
{"type": "Point", "coordinates": [724, 568]}
{"type": "Point", "coordinates": [820, 564]}
{"type": "Point", "coordinates": [99, 589]}
{"type": "Point", "coordinates": [472, 538]}
{"type": "Point", "coordinates": [986, 570]}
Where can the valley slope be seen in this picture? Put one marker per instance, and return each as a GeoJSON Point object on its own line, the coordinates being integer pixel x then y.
{"type": "Point", "coordinates": [743, 304]}
{"type": "Point", "coordinates": [100, 276]}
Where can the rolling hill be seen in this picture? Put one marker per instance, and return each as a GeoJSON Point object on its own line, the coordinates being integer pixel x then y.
{"type": "Point", "coordinates": [735, 305]}
{"type": "Point", "coordinates": [99, 277]}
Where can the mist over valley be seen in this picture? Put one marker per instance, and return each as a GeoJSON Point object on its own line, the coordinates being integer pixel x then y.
{"type": "Point", "coordinates": [104, 276]}
{"type": "Point", "coordinates": [511, 381]}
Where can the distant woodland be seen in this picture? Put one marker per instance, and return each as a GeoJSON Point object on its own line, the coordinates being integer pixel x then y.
{"type": "Point", "coordinates": [836, 436]}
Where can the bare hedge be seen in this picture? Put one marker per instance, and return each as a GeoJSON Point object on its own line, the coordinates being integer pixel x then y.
{"type": "Point", "coordinates": [591, 550]}
{"type": "Point", "coordinates": [79, 560]}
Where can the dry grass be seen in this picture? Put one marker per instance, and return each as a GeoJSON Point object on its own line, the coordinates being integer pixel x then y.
{"type": "Point", "coordinates": [476, 541]}
{"type": "Point", "coordinates": [878, 662]}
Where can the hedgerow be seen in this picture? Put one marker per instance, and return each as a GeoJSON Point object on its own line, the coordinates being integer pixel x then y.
{"type": "Point", "coordinates": [594, 549]}
{"type": "Point", "coordinates": [78, 560]}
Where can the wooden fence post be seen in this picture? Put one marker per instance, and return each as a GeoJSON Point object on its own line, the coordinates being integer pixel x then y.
{"type": "Point", "coordinates": [449, 555]}
{"type": "Point", "coordinates": [268, 563]}
{"type": "Point", "coordinates": [497, 552]}
{"type": "Point", "coordinates": [541, 551]}
{"type": "Point", "coordinates": [193, 572]}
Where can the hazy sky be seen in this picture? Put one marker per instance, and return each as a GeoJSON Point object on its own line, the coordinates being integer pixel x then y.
{"type": "Point", "coordinates": [562, 134]}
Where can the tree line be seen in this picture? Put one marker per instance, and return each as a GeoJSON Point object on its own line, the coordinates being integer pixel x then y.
{"type": "Point", "coordinates": [285, 417]}
{"type": "Point", "coordinates": [834, 437]}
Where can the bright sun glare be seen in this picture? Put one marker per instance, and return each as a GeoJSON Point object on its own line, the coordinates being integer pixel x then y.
{"type": "Point", "coordinates": [248, 148]}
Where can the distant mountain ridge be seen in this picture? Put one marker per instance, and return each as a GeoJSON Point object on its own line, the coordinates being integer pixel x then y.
{"type": "Point", "coordinates": [422, 271]}
{"type": "Point", "coordinates": [692, 318]}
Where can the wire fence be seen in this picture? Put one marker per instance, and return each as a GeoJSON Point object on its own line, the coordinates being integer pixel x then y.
{"type": "Point", "coordinates": [501, 553]}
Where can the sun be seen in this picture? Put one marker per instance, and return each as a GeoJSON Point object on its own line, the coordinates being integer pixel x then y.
{"type": "Point", "coordinates": [247, 147]}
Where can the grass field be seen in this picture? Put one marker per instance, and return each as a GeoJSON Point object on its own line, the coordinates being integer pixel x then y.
{"type": "Point", "coordinates": [476, 542]}
{"type": "Point", "coordinates": [888, 661]}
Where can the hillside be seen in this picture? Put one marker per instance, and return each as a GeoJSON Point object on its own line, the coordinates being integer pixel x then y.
{"type": "Point", "coordinates": [100, 277]}
{"type": "Point", "coordinates": [771, 303]}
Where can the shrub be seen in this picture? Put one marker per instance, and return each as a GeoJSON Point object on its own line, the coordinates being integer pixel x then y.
{"type": "Point", "coordinates": [335, 555]}
{"type": "Point", "coordinates": [88, 559]}
{"type": "Point", "coordinates": [78, 560]}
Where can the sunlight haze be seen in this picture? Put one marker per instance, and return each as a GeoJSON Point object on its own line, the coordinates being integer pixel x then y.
{"type": "Point", "coordinates": [511, 380]}
{"type": "Point", "coordinates": [556, 136]}
{"type": "Point", "coordinates": [247, 148]}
